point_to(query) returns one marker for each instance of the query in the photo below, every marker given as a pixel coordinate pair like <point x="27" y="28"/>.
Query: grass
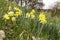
<point x="28" y="29"/>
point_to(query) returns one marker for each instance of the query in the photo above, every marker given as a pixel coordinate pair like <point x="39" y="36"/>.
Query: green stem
<point x="41" y="29"/>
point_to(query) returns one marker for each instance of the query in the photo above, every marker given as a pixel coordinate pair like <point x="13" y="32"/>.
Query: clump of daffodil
<point x="9" y="8"/>
<point x="18" y="13"/>
<point x="16" y="8"/>
<point x="42" y="18"/>
<point x="13" y="19"/>
<point x="11" y="13"/>
<point x="27" y="15"/>
<point x="32" y="12"/>
<point x="6" y="17"/>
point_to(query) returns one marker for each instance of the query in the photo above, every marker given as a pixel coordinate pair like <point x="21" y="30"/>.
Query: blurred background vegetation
<point x="28" y="29"/>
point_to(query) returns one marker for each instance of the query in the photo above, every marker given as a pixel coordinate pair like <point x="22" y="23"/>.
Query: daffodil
<point x="43" y="21"/>
<point x="42" y="18"/>
<point x="11" y="13"/>
<point x="9" y="8"/>
<point x="27" y="15"/>
<point x="16" y="8"/>
<point x="18" y="13"/>
<point x="32" y="16"/>
<point x="13" y="18"/>
<point x="32" y="12"/>
<point x="6" y="17"/>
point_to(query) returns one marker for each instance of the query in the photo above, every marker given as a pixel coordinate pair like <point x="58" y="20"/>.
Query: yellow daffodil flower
<point x="27" y="15"/>
<point x="18" y="14"/>
<point x="13" y="18"/>
<point x="16" y="8"/>
<point x="20" y="11"/>
<point x="32" y="12"/>
<point x="42" y="18"/>
<point x="44" y="21"/>
<point x="32" y="16"/>
<point x="11" y="13"/>
<point x="9" y="8"/>
<point x="6" y="17"/>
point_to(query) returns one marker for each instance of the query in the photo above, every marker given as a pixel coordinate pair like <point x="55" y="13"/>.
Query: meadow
<point x="21" y="23"/>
